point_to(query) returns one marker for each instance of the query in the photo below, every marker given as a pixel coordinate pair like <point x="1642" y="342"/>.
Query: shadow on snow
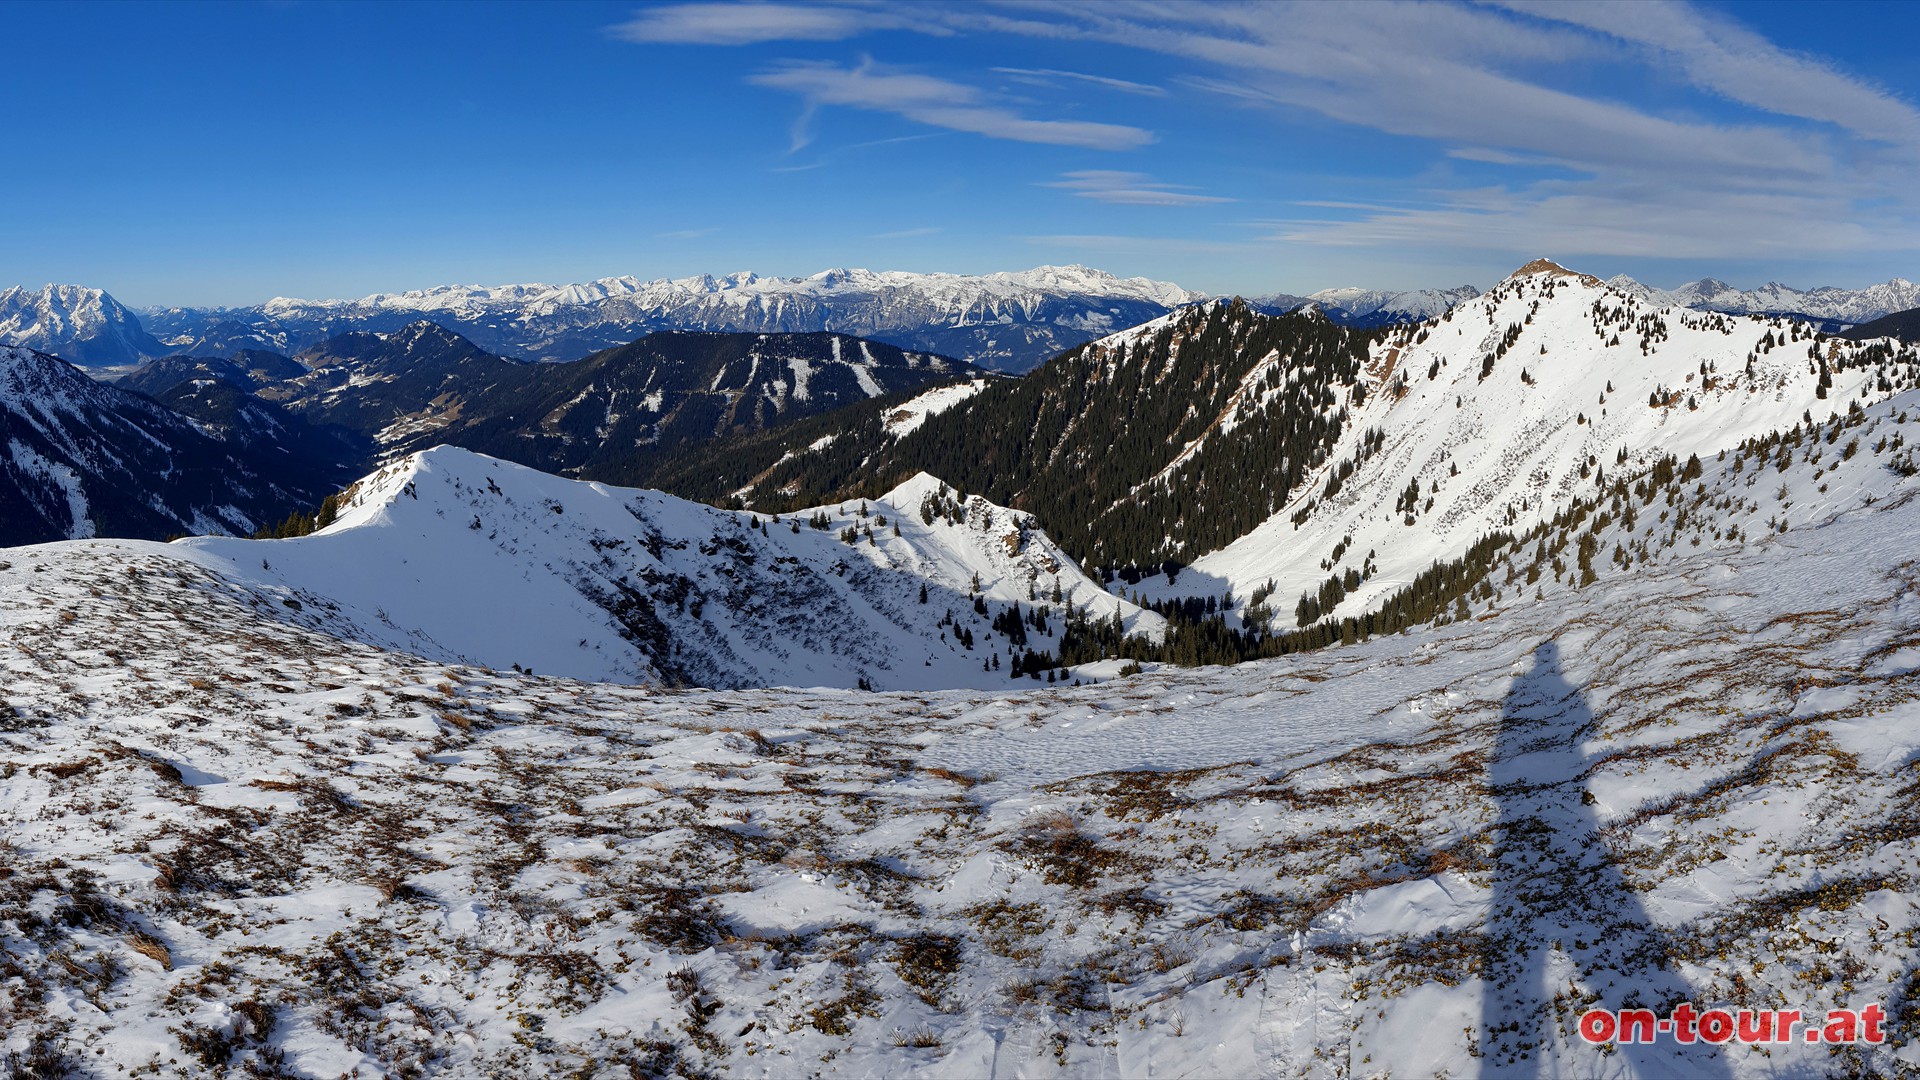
<point x="1565" y="930"/>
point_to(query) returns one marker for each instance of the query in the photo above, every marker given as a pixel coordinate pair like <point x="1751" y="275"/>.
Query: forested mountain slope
<point x="80" y="458"/>
<point x="620" y="415"/>
<point x="1159" y="443"/>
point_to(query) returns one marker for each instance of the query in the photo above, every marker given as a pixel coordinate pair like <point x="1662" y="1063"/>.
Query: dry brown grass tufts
<point x="920" y="1038"/>
<point x="928" y="963"/>
<point x="1065" y="855"/>
<point x="149" y="946"/>
<point x="950" y="776"/>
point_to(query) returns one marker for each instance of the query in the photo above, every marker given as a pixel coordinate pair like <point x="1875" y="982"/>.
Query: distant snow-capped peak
<point x="83" y="325"/>
<point x="1354" y="305"/>
<point x="1825" y="302"/>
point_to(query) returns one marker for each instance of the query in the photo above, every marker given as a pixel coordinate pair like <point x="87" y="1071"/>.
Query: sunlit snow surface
<point x="461" y="557"/>
<point x="234" y="841"/>
<point x="915" y="411"/>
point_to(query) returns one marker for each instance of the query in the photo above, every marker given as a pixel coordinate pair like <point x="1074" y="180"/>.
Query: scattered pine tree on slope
<point x="1804" y="475"/>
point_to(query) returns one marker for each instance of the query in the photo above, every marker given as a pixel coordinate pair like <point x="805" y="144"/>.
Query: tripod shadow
<point x="1564" y="924"/>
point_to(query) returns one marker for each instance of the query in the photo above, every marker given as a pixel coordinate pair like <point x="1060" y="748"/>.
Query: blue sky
<point x="208" y="154"/>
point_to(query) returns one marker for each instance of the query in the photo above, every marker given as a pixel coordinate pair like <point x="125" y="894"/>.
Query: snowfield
<point x="914" y="412"/>
<point x="237" y="844"/>
<point x="461" y="557"/>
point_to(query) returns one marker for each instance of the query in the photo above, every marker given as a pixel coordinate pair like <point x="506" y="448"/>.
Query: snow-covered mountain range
<point x="1366" y="308"/>
<point x="1827" y="304"/>
<point x="1009" y="321"/>
<point x="1272" y="453"/>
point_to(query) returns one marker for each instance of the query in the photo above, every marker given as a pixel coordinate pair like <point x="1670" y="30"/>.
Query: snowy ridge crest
<point x="599" y="582"/>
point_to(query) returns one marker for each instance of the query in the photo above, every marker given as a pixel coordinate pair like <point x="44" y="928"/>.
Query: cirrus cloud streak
<point x="940" y="103"/>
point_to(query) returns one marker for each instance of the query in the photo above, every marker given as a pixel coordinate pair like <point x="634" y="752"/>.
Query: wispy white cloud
<point x="1783" y="152"/>
<point x="1809" y="158"/>
<point x="1500" y="157"/>
<point x="1131" y="188"/>
<point x="753" y="23"/>
<point x="1732" y="61"/>
<point x="1578" y="218"/>
<point x="684" y="234"/>
<point x="908" y="234"/>
<point x="1047" y="75"/>
<point x="938" y="103"/>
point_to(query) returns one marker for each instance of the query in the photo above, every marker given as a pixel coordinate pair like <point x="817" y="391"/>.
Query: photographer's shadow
<point x="1564" y="925"/>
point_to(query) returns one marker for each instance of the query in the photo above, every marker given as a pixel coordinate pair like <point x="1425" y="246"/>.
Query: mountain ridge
<point x="1495" y="415"/>
<point x="605" y="414"/>
<point x="80" y="458"/>
<point x="1008" y="319"/>
<point x="1549" y="369"/>
<point x="87" y="325"/>
<point x="629" y="585"/>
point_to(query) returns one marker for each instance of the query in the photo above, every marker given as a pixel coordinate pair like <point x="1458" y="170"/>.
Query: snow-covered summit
<point x="78" y="324"/>
<point x="1495" y="415"/>
<point x="1546" y="267"/>
<point x="456" y="556"/>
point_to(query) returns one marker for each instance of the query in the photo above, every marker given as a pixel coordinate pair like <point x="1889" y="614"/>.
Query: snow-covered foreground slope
<point x="460" y="557"/>
<point x="234" y="843"/>
<point x="1518" y="401"/>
